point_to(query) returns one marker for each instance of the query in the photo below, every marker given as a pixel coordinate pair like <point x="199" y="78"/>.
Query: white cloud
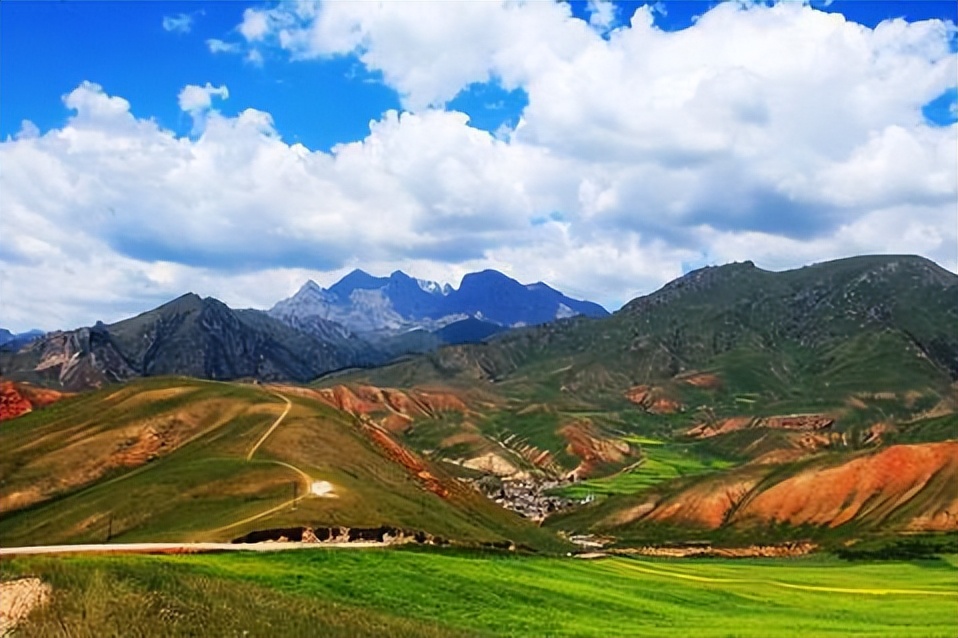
<point x="255" y="25"/>
<point x="180" y="23"/>
<point x="221" y="46"/>
<point x="200" y="98"/>
<point x="779" y="134"/>
<point x="198" y="101"/>
<point x="601" y="14"/>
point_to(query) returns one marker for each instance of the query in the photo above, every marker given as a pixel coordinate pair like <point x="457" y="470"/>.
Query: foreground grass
<point x="426" y="593"/>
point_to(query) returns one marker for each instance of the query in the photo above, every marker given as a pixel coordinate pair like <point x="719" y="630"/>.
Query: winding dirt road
<point x="279" y="419"/>
<point x="308" y="483"/>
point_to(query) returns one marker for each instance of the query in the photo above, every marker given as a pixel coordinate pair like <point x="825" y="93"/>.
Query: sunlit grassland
<point x="417" y="592"/>
<point x="660" y="462"/>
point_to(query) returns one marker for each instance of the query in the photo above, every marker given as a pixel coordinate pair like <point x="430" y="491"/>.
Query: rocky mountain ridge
<point x="360" y="321"/>
<point x="188" y="336"/>
<point x="383" y="306"/>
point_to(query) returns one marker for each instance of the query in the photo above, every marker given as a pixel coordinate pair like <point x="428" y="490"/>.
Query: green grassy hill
<point x="166" y="459"/>
<point x="779" y="342"/>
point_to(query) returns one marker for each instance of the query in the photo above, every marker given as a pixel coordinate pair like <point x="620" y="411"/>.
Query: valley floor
<point x="419" y="592"/>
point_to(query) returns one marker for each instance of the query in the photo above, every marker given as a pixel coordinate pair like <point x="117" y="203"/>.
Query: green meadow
<point x="417" y="592"/>
<point x="661" y="462"/>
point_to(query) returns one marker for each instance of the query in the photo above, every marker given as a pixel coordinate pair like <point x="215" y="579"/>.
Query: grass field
<point x="661" y="462"/>
<point x="448" y="593"/>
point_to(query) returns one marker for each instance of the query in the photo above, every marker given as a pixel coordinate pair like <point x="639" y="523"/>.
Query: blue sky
<point x="48" y="48"/>
<point x="571" y="143"/>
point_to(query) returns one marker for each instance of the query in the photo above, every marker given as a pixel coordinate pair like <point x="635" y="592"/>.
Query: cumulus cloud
<point x="601" y="14"/>
<point x="200" y="98"/>
<point x="780" y="134"/>
<point x="255" y="24"/>
<point x="198" y="101"/>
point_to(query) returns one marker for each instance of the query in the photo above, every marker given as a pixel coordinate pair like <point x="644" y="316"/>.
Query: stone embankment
<point x="341" y="534"/>
<point x="752" y="551"/>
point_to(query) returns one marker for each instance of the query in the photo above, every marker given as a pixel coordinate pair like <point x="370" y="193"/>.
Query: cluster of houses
<point x="529" y="497"/>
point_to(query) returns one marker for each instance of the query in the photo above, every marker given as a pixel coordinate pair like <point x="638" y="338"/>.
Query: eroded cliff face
<point x="902" y="487"/>
<point x="407" y="405"/>
<point x="79" y="359"/>
<point x="595" y="449"/>
<point x="12" y="403"/>
<point x="17" y="399"/>
<point x="872" y="488"/>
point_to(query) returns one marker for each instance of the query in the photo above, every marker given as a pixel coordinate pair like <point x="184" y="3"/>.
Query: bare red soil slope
<point x="20" y="398"/>
<point x="904" y="487"/>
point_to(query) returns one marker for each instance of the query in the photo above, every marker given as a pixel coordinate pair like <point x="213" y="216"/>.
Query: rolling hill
<point x="185" y="459"/>
<point x="710" y="398"/>
<point x="708" y="410"/>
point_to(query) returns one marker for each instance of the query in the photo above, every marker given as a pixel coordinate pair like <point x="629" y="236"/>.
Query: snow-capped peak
<point x="564" y="312"/>
<point x="432" y="287"/>
<point x="310" y="287"/>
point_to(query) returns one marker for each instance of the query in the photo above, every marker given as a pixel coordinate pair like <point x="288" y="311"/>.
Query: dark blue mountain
<point x="399" y="303"/>
<point x="409" y="298"/>
<point x="356" y="280"/>
<point x="14" y="341"/>
<point x="469" y="330"/>
<point x="492" y="296"/>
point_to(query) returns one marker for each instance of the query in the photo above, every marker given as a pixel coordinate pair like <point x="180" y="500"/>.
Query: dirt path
<point x="308" y="483"/>
<point x="17" y="599"/>
<point x="279" y="419"/>
<point x="657" y="570"/>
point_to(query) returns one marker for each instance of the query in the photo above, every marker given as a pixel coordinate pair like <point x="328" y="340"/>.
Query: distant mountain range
<point x="802" y="338"/>
<point x="16" y="340"/>
<point x="385" y="306"/>
<point x="360" y="321"/>
<point x="827" y="331"/>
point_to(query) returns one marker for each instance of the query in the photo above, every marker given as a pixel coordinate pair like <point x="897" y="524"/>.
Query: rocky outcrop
<point x="12" y="403"/>
<point x="867" y="488"/>
<point x="367" y="399"/>
<point x="341" y="534"/>
<point x="793" y="422"/>
<point x="653" y="399"/>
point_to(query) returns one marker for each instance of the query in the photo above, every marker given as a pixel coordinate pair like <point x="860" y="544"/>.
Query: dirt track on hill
<point x="308" y="482"/>
<point x="279" y="419"/>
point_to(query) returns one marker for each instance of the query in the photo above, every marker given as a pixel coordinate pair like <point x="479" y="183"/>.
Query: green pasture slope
<point x="660" y="462"/>
<point x="454" y="593"/>
<point x="206" y="489"/>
